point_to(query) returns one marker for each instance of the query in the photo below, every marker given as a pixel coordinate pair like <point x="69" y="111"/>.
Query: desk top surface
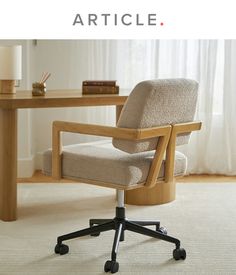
<point x="60" y="98"/>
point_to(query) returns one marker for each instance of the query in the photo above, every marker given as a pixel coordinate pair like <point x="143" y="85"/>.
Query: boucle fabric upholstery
<point x="100" y="161"/>
<point x="155" y="103"/>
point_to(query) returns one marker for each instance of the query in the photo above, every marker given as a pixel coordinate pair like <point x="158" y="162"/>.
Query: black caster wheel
<point x="112" y="266"/>
<point x="94" y="234"/>
<point x="179" y="253"/>
<point x="61" y="249"/>
<point x="122" y="236"/>
<point x="162" y="230"/>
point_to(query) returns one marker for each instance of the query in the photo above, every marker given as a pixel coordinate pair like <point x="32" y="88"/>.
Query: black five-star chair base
<point x="120" y="224"/>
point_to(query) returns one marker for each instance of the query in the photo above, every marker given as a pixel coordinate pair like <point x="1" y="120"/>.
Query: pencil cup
<point x="39" y="89"/>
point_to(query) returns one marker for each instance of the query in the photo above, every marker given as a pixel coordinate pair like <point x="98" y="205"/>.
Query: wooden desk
<point x="9" y="104"/>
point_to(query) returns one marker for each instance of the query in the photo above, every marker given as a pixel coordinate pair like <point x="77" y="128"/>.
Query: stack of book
<point x="100" y="87"/>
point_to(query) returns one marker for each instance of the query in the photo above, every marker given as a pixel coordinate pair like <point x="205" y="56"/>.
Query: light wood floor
<point x="39" y="177"/>
<point x="203" y="178"/>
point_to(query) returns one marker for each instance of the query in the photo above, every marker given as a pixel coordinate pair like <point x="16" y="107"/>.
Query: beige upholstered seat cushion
<point x="100" y="161"/>
<point x="155" y="103"/>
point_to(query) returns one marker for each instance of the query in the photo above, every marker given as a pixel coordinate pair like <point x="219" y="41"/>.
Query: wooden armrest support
<point x="108" y="131"/>
<point x="177" y="129"/>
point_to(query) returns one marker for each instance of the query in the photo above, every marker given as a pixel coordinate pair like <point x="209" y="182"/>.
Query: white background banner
<point x="50" y="19"/>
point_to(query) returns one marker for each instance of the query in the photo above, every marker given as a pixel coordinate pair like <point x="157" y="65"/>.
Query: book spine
<point x="110" y="83"/>
<point x="88" y="90"/>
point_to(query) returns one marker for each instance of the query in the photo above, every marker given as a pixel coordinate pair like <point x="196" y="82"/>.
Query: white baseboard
<point x="38" y="161"/>
<point x="25" y="167"/>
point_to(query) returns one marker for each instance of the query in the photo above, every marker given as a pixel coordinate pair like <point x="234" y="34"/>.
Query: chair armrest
<point x="98" y="130"/>
<point x="187" y="127"/>
<point x="109" y="131"/>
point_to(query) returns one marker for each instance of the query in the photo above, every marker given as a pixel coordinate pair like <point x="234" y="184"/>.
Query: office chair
<point x="157" y="115"/>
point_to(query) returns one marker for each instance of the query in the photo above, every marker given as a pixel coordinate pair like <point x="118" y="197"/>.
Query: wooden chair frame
<point x="166" y="144"/>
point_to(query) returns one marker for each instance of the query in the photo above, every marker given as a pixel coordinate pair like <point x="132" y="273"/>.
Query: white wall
<point x="25" y="142"/>
<point x="25" y="138"/>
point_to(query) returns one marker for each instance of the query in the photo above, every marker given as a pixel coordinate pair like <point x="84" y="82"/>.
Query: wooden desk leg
<point x="8" y="164"/>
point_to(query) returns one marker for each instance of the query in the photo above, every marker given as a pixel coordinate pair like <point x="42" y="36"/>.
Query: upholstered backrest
<point x="155" y="103"/>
